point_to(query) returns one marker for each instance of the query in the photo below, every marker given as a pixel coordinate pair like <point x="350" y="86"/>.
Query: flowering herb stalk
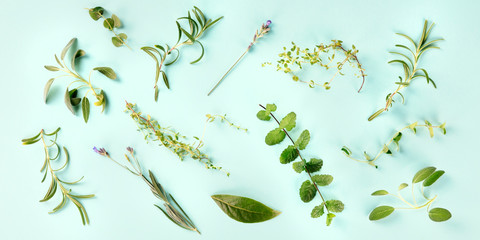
<point x="387" y="148"/>
<point x="410" y="65"/>
<point x="264" y="29"/>
<point x="172" y="210"/>
<point x="110" y="23"/>
<point x="79" y="82"/>
<point x="198" y="27"/>
<point x="50" y="145"/>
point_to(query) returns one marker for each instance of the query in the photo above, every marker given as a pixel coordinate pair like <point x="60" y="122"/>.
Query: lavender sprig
<point x="258" y="34"/>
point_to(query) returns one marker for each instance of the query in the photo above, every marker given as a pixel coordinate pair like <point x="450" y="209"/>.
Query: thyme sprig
<point x="111" y="24"/>
<point x="70" y="97"/>
<point x="309" y="188"/>
<point x="172" y="210"/>
<point x="410" y="65"/>
<point x="50" y="144"/>
<point x="294" y="59"/>
<point x="264" y="29"/>
<point x="198" y="27"/>
<point x="387" y="147"/>
<point x="426" y="176"/>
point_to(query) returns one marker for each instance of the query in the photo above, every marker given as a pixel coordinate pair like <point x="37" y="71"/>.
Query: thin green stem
<point x="230" y="69"/>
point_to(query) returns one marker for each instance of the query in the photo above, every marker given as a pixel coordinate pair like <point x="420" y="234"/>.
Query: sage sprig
<point x="294" y="59"/>
<point x="50" y="146"/>
<point x="387" y="147"/>
<point x="198" y="26"/>
<point x="425" y="177"/>
<point x="172" y="210"/>
<point x="309" y="188"/>
<point x="244" y="209"/>
<point x="70" y="98"/>
<point x="111" y="23"/>
<point x="410" y="65"/>
<point x="264" y="29"/>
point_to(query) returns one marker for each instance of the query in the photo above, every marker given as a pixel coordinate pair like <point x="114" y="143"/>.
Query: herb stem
<point x="230" y="69"/>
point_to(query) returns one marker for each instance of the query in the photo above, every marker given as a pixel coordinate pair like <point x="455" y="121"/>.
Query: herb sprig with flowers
<point x="172" y="210"/>
<point x="264" y="29"/>
<point x="49" y="141"/>
<point x="198" y="27"/>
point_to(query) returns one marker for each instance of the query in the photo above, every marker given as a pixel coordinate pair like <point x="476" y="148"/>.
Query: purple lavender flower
<point x="130" y="150"/>
<point x="100" y="151"/>
<point x="268" y="22"/>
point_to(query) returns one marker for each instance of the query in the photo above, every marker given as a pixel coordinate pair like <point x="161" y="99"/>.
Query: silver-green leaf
<point x="244" y="209"/>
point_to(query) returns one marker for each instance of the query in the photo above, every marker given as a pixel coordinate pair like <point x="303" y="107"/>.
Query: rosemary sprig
<point x="293" y="60"/>
<point x="56" y="182"/>
<point x="172" y="210"/>
<point x="110" y="23"/>
<point x="198" y="27"/>
<point x="79" y="82"/>
<point x="264" y="29"/>
<point x="410" y="66"/>
<point x="387" y="149"/>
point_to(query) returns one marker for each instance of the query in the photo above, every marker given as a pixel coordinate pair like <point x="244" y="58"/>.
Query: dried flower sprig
<point x="198" y="27"/>
<point x="172" y="210"/>
<point x="264" y="29"/>
<point x="170" y="139"/>
<point x="427" y="177"/>
<point x="293" y="60"/>
<point x="387" y="149"/>
<point x="309" y="188"/>
<point x="211" y="118"/>
<point x="56" y="183"/>
<point x="111" y="24"/>
<point x="410" y="66"/>
<point x="79" y="82"/>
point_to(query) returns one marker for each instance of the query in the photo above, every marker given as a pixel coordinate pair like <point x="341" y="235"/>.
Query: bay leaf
<point x="244" y="209"/>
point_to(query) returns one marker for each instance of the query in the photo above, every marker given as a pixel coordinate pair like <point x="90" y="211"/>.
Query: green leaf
<point x="85" y="108"/>
<point x="288" y="155"/>
<point x="439" y="214"/>
<point x="108" y="72"/>
<point x="271" y="107"/>
<point x="275" y="136"/>
<point x="117" y="42"/>
<point x="75" y="101"/>
<point x="263" y="115"/>
<point x="52" y="68"/>
<point x="314" y="165"/>
<point x="213" y="22"/>
<point x="190" y="37"/>
<point x="330" y="217"/>
<point x="397" y="137"/>
<point x="423" y="174"/>
<point x="303" y="140"/>
<point x="380" y="193"/>
<point x="65" y="49"/>
<point x="346" y="151"/>
<point x="156" y="93"/>
<point x="123" y="36"/>
<point x="433" y="178"/>
<point x="288" y="122"/>
<point x="380" y="111"/>
<point x="318" y="211"/>
<point x="334" y="205"/>
<point x="244" y="209"/>
<point x="108" y="24"/>
<point x="322" y="180"/>
<point x="165" y="79"/>
<point x="298" y="167"/>
<point x="96" y="13"/>
<point x="380" y="212"/>
<point x="201" y="55"/>
<point x="116" y="21"/>
<point x="78" y="53"/>
<point x="402" y="186"/>
<point x="307" y="191"/>
<point x="68" y="102"/>
<point x="47" y="88"/>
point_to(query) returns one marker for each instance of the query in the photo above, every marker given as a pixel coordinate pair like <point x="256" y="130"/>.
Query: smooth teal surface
<point x="33" y="31"/>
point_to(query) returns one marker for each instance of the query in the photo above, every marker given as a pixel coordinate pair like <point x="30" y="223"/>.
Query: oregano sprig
<point x="111" y="24"/>
<point x="387" y="147"/>
<point x="198" y="26"/>
<point x="425" y="177"/>
<point x="294" y="59"/>
<point x="309" y="188"/>
<point x="172" y="210"/>
<point x="410" y="65"/>
<point x="50" y="145"/>
<point x="70" y="97"/>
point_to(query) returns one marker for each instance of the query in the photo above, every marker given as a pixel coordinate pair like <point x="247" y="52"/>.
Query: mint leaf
<point x="288" y="122"/>
<point x="271" y="108"/>
<point x="298" y="167"/>
<point x="307" y="191"/>
<point x="303" y="140"/>
<point x="275" y="136"/>
<point x="330" y="217"/>
<point x="318" y="211"/>
<point x="314" y="165"/>
<point x="288" y="155"/>
<point x="334" y="205"/>
<point x="322" y="180"/>
<point x="263" y="115"/>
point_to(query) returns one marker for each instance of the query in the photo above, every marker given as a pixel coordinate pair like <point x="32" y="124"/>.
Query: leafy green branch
<point x="159" y="53"/>
<point x="410" y="65"/>
<point x="110" y="23"/>
<point x="426" y="177"/>
<point x="387" y="147"/>
<point x="294" y="59"/>
<point x="70" y="97"/>
<point x="57" y="183"/>
<point x="309" y="188"/>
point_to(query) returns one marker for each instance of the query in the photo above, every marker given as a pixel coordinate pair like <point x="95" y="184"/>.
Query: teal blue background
<point x="33" y="31"/>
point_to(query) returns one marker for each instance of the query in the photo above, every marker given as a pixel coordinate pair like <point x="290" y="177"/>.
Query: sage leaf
<point x="314" y="165"/>
<point x="78" y="53"/>
<point x="108" y="72"/>
<point x="52" y="68"/>
<point x="307" y="191"/>
<point x="423" y="174"/>
<point x="380" y="212"/>
<point x="288" y="155"/>
<point x="303" y="140"/>
<point x="244" y="209"/>
<point x="318" y="211"/>
<point x="380" y="193"/>
<point x="335" y="205"/>
<point x="323" y="179"/>
<point x="433" y="178"/>
<point x="67" y="101"/>
<point x="288" y="122"/>
<point x="47" y="88"/>
<point x="439" y="214"/>
<point x="275" y="136"/>
<point x="85" y="108"/>
<point x="65" y="49"/>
